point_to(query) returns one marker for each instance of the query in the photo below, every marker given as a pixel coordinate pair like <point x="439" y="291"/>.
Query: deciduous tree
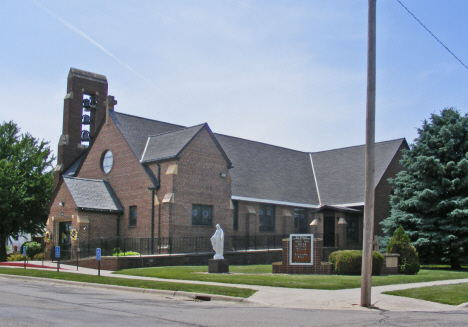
<point x="26" y="183"/>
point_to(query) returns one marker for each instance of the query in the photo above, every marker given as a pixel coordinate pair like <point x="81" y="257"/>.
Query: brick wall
<point x="284" y="220"/>
<point x="235" y="258"/>
<point x="383" y="189"/>
<point x="77" y="86"/>
<point x="127" y="178"/>
<point x="59" y="214"/>
<point x="199" y="181"/>
<point x="89" y="225"/>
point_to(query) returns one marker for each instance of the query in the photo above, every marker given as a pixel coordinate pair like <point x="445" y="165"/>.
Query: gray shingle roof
<point x="136" y="130"/>
<point x="340" y="173"/>
<point x="266" y="172"/>
<point x="72" y="170"/>
<point x="168" y="145"/>
<point x="263" y="171"/>
<point x="92" y="194"/>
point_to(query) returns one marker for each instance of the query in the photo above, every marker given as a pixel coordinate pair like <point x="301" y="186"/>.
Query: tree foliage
<point x="26" y="183"/>
<point x="408" y="262"/>
<point x="430" y="197"/>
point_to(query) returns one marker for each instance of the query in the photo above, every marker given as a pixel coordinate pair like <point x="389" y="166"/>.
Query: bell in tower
<point x="83" y="111"/>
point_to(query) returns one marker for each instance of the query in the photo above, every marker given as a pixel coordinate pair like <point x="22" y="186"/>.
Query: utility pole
<point x="366" y="275"/>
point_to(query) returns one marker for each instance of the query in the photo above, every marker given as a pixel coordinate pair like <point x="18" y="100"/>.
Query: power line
<point x="431" y="33"/>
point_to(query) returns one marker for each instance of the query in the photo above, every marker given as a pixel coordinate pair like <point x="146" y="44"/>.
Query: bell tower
<point x="84" y="109"/>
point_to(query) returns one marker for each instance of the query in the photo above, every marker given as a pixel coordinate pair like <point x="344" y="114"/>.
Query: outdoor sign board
<point x="57" y="251"/>
<point x="98" y="254"/>
<point x="301" y="249"/>
<point x="24" y="251"/>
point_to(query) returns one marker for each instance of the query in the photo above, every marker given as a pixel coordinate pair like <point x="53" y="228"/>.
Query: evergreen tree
<point x="408" y="262"/>
<point x="430" y="198"/>
<point x="25" y="183"/>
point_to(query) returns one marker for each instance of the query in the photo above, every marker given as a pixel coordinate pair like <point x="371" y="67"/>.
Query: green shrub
<point x="39" y="256"/>
<point x="116" y="251"/>
<point x="349" y="262"/>
<point x="17" y="257"/>
<point x="408" y="262"/>
<point x="32" y="248"/>
<point x="377" y="263"/>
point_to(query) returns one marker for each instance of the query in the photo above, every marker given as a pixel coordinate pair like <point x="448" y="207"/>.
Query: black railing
<point x="175" y="245"/>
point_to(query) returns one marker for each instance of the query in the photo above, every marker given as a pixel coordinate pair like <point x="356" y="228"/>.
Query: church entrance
<point x="329" y="230"/>
<point x="64" y="238"/>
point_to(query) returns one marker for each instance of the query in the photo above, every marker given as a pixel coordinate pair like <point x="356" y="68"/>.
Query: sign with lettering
<point x="301" y="249"/>
<point x="98" y="253"/>
<point x="24" y="251"/>
<point x="57" y="251"/>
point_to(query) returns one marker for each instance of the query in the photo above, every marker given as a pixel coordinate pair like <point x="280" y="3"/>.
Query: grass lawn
<point x="261" y="275"/>
<point x="170" y="286"/>
<point x="454" y="294"/>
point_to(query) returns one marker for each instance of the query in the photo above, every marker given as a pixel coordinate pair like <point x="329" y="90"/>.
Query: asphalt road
<point x="36" y="303"/>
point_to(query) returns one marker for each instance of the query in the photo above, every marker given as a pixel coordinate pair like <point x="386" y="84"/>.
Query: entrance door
<point x="329" y="231"/>
<point x="64" y="238"/>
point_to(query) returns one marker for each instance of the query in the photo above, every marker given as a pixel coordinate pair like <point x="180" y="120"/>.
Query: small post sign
<point x="24" y="255"/>
<point x="57" y="255"/>
<point x="301" y="249"/>
<point x="98" y="258"/>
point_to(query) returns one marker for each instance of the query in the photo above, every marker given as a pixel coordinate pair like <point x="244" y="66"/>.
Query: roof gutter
<point x="283" y="203"/>
<point x="99" y="210"/>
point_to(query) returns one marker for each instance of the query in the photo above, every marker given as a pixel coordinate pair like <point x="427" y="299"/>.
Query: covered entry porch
<point x="339" y="227"/>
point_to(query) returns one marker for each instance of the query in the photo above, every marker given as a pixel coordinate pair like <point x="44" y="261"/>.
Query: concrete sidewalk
<point x="347" y="299"/>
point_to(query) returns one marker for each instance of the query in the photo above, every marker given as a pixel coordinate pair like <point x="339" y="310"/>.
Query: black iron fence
<point x="173" y="245"/>
<point x="168" y="245"/>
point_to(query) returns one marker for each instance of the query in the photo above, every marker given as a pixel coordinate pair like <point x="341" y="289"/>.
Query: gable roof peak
<point x="360" y="145"/>
<point x="259" y="143"/>
<point x="170" y="144"/>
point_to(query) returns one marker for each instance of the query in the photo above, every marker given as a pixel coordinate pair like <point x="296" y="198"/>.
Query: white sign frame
<point x="296" y="236"/>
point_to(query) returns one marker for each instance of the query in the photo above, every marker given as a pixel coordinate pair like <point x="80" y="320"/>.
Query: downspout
<point x="154" y="188"/>
<point x="158" y="186"/>
<point x="152" y="219"/>
<point x="118" y="226"/>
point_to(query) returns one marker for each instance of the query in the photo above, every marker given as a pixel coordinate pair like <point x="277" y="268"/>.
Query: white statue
<point x="217" y="240"/>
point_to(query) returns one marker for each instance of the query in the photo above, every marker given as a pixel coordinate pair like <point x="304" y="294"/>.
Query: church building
<point x="123" y="176"/>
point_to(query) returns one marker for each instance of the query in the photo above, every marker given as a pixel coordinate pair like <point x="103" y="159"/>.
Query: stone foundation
<point x="218" y="266"/>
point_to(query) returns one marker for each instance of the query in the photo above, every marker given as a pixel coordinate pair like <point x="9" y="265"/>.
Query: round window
<point x="107" y="161"/>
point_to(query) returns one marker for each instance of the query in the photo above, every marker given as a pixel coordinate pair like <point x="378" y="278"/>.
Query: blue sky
<point x="289" y="73"/>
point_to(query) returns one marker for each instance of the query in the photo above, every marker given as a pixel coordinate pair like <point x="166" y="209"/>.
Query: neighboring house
<point x="14" y="243"/>
<point x="142" y="178"/>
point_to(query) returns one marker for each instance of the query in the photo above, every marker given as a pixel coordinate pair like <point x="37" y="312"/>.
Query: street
<point x="38" y="303"/>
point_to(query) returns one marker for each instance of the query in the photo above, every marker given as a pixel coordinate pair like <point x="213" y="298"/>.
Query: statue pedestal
<point x="218" y="266"/>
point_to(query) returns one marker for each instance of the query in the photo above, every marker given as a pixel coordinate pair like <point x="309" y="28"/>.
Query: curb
<point x="165" y="293"/>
